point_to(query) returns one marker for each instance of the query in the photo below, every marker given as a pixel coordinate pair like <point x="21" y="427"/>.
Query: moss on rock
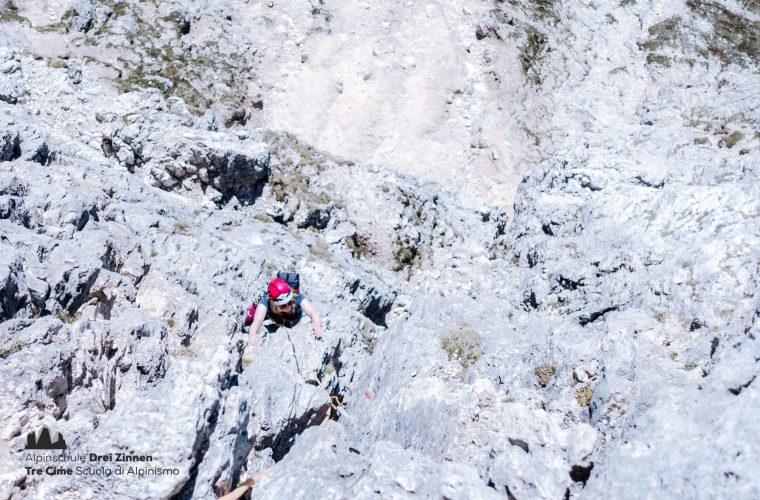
<point x="545" y="373"/>
<point x="583" y="395"/>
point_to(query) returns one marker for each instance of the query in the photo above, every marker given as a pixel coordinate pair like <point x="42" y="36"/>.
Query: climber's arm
<point x="312" y="313"/>
<point x="258" y="319"/>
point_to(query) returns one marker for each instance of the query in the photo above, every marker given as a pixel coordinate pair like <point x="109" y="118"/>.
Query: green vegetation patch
<point x="462" y="344"/>
<point x="318" y="9"/>
<point x="404" y="256"/>
<point x="358" y="245"/>
<point x="11" y="349"/>
<point x="664" y="34"/>
<point x="734" y="39"/>
<point x="544" y="9"/>
<point x="9" y="12"/>
<point x="531" y="54"/>
<point x="658" y="59"/>
<point x="292" y="161"/>
<point x="732" y="139"/>
<point x="540" y="9"/>
<point x="174" y="74"/>
<point x="583" y="395"/>
<point x="751" y="5"/>
<point x="731" y="38"/>
<point x="198" y="75"/>
<point x="545" y="373"/>
<point x="66" y="316"/>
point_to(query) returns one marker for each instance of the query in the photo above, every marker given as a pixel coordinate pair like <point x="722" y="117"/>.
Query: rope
<point x="335" y="401"/>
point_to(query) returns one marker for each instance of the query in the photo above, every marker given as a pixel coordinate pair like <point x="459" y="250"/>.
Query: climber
<point x="284" y="305"/>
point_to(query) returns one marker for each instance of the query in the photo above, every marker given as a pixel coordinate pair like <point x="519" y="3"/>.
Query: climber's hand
<point x="318" y="333"/>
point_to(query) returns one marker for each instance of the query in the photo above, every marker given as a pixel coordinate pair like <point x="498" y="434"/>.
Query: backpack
<point x="292" y="279"/>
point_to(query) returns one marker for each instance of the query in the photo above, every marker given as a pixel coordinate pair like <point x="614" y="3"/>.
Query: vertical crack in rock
<point x="10" y="146"/>
<point x="331" y="366"/>
<point x="200" y="447"/>
<point x="281" y="442"/>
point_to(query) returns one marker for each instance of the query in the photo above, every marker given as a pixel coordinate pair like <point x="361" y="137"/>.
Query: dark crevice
<point x="569" y="284"/>
<point x="532" y="258"/>
<point x="11" y="147"/>
<point x="241" y="448"/>
<point x="714" y="346"/>
<point x="331" y="361"/>
<point x="281" y="442"/>
<point x="584" y="181"/>
<point x="200" y="447"/>
<point x="42" y="155"/>
<point x="641" y="182"/>
<point x="520" y="444"/>
<point x="510" y="496"/>
<point x="580" y="474"/>
<point x="374" y="306"/>
<point x="737" y="390"/>
<point x="10" y="302"/>
<point x="530" y="302"/>
<point x="585" y="320"/>
<point x="14" y="211"/>
<point x="73" y="301"/>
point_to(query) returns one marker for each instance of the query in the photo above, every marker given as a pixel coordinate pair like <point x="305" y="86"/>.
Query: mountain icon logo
<point x="43" y="440"/>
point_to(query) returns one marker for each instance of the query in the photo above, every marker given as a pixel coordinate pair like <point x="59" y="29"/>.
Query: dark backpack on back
<point x="292" y="279"/>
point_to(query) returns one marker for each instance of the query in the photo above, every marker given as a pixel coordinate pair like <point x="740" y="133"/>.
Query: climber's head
<point x="280" y="293"/>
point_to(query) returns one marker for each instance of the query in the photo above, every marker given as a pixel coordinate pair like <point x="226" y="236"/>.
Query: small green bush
<point x="358" y="245"/>
<point x="66" y="316"/>
<point x="462" y="344"/>
<point x="545" y="374"/>
<point x="181" y="228"/>
<point x="584" y="394"/>
<point x="732" y="139"/>
<point x="13" y="348"/>
<point x="184" y="352"/>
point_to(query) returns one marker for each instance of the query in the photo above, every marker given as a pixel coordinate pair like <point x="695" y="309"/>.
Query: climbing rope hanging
<point x="335" y="403"/>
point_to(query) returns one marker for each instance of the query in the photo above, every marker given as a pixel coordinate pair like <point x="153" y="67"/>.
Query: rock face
<point x="595" y="338"/>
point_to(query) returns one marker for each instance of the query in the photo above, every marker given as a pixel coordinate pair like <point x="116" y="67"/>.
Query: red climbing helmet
<point x="279" y="292"/>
